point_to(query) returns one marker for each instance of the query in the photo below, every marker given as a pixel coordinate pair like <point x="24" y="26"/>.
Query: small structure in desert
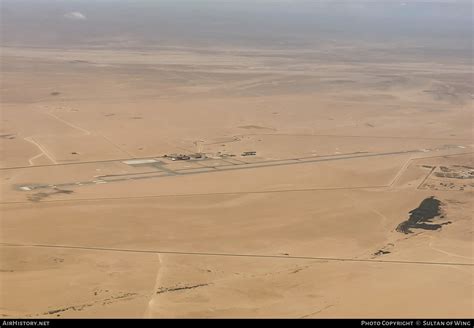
<point x="177" y="157"/>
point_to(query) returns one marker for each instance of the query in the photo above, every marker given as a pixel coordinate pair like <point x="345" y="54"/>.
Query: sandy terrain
<point x="306" y="227"/>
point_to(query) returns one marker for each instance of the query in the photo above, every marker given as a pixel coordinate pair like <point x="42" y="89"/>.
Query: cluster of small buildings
<point x="184" y="157"/>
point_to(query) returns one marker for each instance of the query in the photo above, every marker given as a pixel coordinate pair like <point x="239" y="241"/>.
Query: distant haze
<point x="265" y="23"/>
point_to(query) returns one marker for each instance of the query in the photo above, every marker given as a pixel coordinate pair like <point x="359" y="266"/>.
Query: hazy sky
<point x="83" y="23"/>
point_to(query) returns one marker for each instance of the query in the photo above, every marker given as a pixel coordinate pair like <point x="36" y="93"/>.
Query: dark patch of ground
<point x="174" y="289"/>
<point x="381" y="252"/>
<point x="384" y="250"/>
<point x="81" y="307"/>
<point x="421" y="217"/>
<point x="42" y="195"/>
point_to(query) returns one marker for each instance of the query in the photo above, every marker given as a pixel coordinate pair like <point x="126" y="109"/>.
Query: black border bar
<point x="12" y="323"/>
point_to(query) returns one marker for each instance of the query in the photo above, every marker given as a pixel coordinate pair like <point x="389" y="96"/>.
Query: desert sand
<point x="96" y="222"/>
